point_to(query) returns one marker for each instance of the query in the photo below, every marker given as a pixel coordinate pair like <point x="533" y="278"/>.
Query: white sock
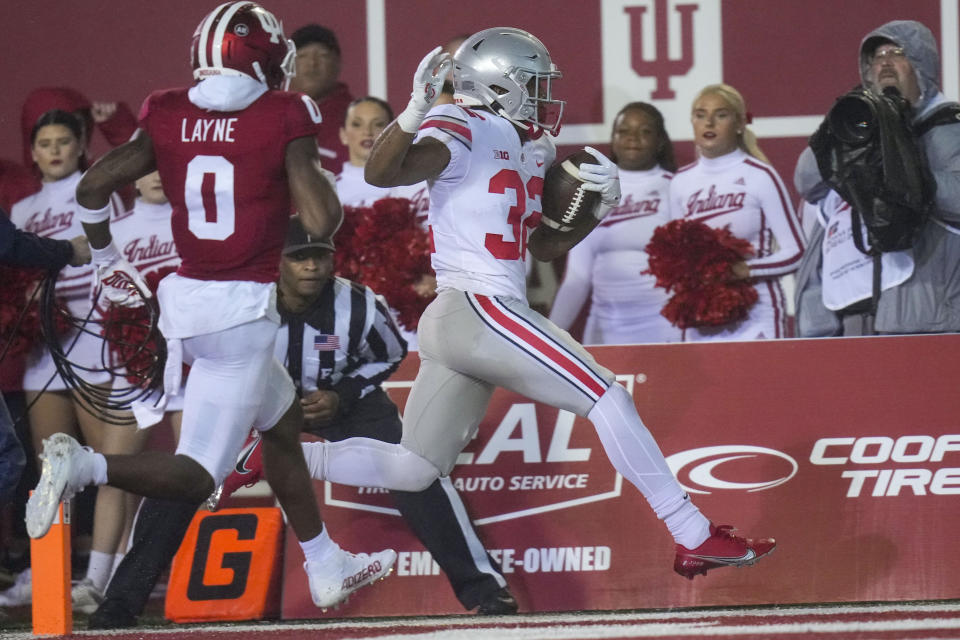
<point x="318" y="549"/>
<point x="99" y="569"/>
<point x="635" y="454"/>
<point x="688" y="526"/>
<point x="98" y="469"/>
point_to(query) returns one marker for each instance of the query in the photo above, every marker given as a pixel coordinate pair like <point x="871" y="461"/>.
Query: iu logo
<point x="662" y="66"/>
<point x="662" y="51"/>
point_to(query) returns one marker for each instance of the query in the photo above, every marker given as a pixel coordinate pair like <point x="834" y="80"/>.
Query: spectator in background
<point x="608" y="264"/>
<point x="732" y="184"/>
<point x="318" y="76"/>
<point x="58" y="153"/>
<point x="901" y="54"/>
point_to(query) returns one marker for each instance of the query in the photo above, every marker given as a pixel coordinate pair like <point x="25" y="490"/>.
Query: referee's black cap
<point x="298" y="238"/>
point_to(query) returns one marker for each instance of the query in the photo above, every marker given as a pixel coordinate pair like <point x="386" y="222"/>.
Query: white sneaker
<point x="20" y="593"/>
<point x="332" y="581"/>
<point x="86" y="597"/>
<point x="65" y="464"/>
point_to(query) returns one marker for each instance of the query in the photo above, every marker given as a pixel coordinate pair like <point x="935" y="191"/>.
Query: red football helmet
<point x="242" y="38"/>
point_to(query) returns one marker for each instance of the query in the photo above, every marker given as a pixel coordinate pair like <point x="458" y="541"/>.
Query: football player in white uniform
<point x="485" y="160"/>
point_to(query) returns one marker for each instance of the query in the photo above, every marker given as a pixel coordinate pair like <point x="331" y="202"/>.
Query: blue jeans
<point x="12" y="458"/>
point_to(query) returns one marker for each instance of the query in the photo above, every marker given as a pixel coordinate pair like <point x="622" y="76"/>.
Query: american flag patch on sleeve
<point x="326" y="342"/>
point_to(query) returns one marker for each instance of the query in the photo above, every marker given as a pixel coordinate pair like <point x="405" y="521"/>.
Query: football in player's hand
<point x="566" y="205"/>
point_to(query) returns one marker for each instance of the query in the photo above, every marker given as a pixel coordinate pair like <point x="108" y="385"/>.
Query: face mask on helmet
<point x="243" y="38"/>
<point x="509" y="71"/>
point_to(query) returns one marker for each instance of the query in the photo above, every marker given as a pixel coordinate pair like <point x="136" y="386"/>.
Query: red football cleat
<point x="246" y="473"/>
<point x="721" y="549"/>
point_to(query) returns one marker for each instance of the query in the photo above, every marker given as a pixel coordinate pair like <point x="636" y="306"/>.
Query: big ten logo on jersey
<point x="228" y="567"/>
<point x="662" y="52"/>
<point x="526" y="459"/>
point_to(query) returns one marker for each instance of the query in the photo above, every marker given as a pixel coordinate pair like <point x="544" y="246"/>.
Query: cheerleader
<point x="733" y="185"/>
<point x="57" y="148"/>
<point x="608" y="264"/>
<point x="366" y="118"/>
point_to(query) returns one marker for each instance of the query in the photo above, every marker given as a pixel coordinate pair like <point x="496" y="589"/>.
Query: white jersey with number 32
<point x="486" y="202"/>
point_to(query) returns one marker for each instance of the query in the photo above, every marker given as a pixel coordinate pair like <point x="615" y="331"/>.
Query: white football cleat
<point x="20" y="593"/>
<point x="335" y="579"/>
<point x="64" y="463"/>
<point x="86" y="597"/>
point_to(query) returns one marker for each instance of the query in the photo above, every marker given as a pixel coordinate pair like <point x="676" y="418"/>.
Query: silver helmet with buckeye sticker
<point x="509" y="71"/>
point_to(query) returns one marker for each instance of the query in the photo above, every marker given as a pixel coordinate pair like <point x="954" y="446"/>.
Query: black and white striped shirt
<point x="346" y="341"/>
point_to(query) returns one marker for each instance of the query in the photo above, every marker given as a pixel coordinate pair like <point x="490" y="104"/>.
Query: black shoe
<point x="111" y="614"/>
<point x="498" y="603"/>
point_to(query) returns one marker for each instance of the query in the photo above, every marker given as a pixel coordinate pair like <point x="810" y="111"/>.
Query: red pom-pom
<point x="127" y="332"/>
<point x="20" y="326"/>
<point x="694" y="261"/>
<point x="384" y="247"/>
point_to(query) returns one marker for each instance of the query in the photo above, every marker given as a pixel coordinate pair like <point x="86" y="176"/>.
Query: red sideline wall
<point x="789" y="58"/>
<point x="846" y="450"/>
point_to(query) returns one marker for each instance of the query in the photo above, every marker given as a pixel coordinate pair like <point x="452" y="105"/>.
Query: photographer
<point x="920" y="288"/>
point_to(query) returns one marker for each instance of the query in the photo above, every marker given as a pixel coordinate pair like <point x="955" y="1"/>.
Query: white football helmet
<point x="510" y="71"/>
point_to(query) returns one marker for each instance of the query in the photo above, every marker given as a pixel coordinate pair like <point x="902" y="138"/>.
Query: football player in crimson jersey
<point x="485" y="158"/>
<point x="234" y="154"/>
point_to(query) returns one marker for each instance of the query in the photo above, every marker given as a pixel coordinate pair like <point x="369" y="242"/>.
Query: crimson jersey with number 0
<point x="486" y="201"/>
<point x="225" y="176"/>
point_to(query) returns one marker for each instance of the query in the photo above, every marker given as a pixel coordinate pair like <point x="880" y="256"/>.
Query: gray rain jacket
<point x="928" y="302"/>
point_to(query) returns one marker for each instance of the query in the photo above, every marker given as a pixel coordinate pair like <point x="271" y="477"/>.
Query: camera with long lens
<point x="867" y="151"/>
<point x="855" y="118"/>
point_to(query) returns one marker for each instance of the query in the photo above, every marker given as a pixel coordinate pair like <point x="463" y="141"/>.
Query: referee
<point x="339" y="343"/>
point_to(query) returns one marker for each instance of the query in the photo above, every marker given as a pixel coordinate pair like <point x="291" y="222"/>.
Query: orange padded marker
<point x="50" y="558"/>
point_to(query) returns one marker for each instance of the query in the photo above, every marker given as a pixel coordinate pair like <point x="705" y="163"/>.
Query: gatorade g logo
<point x="228" y="567"/>
<point x="221" y="562"/>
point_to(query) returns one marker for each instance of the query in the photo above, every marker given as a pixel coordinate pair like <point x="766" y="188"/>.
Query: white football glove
<point x="427" y="82"/>
<point x="603" y="178"/>
<point x="116" y="279"/>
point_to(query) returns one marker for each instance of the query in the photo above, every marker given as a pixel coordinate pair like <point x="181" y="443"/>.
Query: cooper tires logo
<point x="709" y="469"/>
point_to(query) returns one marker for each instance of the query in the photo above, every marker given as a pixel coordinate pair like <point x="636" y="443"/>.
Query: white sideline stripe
<point x="673" y="630"/>
<point x="572" y="623"/>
